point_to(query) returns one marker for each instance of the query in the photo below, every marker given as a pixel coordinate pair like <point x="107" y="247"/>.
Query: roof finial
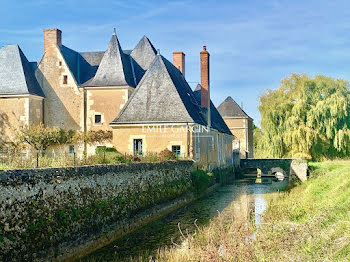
<point x="158" y="51"/>
<point x="114" y="31"/>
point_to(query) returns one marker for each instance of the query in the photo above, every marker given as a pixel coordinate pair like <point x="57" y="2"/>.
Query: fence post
<point x="74" y="159"/>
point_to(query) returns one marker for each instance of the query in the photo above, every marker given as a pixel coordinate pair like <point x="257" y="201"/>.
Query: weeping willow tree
<point x="306" y="117"/>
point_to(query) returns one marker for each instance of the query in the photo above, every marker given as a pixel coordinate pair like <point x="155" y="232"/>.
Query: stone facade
<point x="61" y="212"/>
<point x="17" y="112"/>
<point x="209" y="149"/>
<point x="87" y="91"/>
<point x="242" y="129"/>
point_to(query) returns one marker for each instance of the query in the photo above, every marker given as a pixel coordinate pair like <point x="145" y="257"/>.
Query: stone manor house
<point x="138" y="94"/>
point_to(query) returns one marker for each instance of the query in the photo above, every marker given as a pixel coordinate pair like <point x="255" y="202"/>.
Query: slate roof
<point x="143" y="55"/>
<point x="229" y="108"/>
<point x="164" y="96"/>
<point x="216" y="120"/>
<point x="115" y="68"/>
<point x="17" y="76"/>
<point x="84" y="65"/>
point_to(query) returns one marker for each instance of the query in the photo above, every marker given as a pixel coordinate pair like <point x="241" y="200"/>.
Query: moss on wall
<point x="44" y="210"/>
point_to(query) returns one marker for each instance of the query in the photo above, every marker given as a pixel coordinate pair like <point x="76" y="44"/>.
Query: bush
<point x="166" y="155"/>
<point x="105" y="149"/>
<point x="151" y="157"/>
<point x="201" y="180"/>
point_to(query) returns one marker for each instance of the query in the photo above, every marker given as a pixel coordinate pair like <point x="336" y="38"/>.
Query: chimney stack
<point x="179" y="61"/>
<point x="52" y="38"/>
<point x="205" y="90"/>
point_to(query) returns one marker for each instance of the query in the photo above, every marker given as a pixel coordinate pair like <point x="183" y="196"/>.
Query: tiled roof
<point x="17" y="76"/>
<point x="164" y="96"/>
<point x="229" y="108"/>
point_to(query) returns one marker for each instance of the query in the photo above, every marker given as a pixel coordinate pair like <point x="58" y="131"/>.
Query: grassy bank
<point x="310" y="222"/>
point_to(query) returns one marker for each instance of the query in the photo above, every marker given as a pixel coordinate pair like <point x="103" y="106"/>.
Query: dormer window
<point x="65" y="79"/>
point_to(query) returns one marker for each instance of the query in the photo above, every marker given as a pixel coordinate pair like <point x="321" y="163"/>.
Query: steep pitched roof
<point x="163" y="95"/>
<point x="229" y="108"/>
<point x="198" y="87"/>
<point x="17" y="76"/>
<point x="143" y="55"/>
<point x="216" y="120"/>
<point x="115" y="67"/>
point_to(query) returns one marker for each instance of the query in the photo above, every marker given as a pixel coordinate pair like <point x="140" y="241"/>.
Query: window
<point x="71" y="149"/>
<point x="137" y="147"/>
<point x="176" y="150"/>
<point x="98" y="119"/>
<point x="60" y="63"/>
<point x="65" y="79"/>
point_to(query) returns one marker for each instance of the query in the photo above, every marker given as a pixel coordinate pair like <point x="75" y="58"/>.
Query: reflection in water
<point x="243" y="196"/>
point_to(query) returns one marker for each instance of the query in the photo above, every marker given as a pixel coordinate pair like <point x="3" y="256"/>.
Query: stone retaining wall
<point x="52" y="213"/>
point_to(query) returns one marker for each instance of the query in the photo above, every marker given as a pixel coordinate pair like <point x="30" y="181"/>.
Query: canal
<point x="247" y="196"/>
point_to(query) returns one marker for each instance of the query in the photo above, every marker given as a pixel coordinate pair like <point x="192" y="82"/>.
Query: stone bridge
<point x="292" y="168"/>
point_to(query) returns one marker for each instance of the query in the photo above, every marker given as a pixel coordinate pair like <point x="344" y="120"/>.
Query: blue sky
<point x="253" y="44"/>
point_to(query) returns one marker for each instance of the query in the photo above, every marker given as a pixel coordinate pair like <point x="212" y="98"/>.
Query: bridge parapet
<point x="294" y="168"/>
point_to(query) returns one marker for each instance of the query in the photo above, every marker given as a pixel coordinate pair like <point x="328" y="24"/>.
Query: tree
<point x="306" y="117"/>
<point x="92" y="137"/>
<point x="41" y="137"/>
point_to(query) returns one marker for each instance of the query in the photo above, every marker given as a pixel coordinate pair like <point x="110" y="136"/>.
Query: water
<point x="244" y="194"/>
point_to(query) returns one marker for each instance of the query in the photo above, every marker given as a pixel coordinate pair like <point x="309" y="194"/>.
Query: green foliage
<point x="306" y="117"/>
<point x="105" y="149"/>
<point x="201" y="180"/>
<point x="166" y="154"/>
<point x="41" y="137"/>
<point x="92" y="137"/>
<point x="317" y="224"/>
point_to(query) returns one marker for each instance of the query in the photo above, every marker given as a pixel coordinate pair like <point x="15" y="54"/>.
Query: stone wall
<point x="55" y="213"/>
<point x="294" y="168"/>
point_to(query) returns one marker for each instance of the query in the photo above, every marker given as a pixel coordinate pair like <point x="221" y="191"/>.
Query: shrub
<point x="201" y="180"/>
<point x="166" y="154"/>
<point x="105" y="149"/>
<point x="151" y="157"/>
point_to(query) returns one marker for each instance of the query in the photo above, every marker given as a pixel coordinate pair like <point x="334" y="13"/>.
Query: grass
<point x="20" y="161"/>
<point x="310" y="222"/>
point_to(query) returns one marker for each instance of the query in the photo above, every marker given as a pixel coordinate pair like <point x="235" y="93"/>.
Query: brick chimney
<point x="179" y="61"/>
<point x="205" y="90"/>
<point x="52" y="38"/>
